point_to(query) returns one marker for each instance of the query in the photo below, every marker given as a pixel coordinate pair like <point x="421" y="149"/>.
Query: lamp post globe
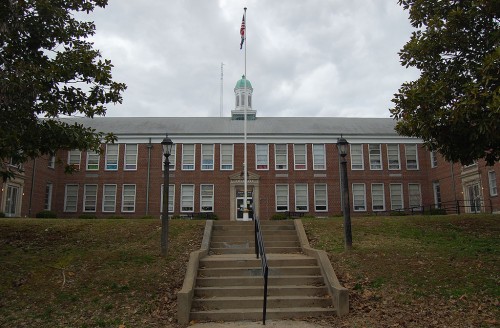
<point x="167" y="145"/>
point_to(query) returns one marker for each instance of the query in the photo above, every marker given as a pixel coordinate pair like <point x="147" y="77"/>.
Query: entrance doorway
<point x="240" y="205"/>
<point x="474" y="194"/>
<point x="11" y="201"/>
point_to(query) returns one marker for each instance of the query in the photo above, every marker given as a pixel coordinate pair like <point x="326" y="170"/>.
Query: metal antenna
<point x="221" y="89"/>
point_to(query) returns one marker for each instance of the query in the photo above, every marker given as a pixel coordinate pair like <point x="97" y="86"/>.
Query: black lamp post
<point x="167" y="149"/>
<point x="342" y="147"/>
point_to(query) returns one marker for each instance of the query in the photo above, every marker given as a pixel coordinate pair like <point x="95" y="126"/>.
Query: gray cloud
<point x="304" y="57"/>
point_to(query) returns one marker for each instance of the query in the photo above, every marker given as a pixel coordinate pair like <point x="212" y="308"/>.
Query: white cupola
<point x="243" y="100"/>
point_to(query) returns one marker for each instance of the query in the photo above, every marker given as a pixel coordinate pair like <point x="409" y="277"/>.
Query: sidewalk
<point x="258" y="324"/>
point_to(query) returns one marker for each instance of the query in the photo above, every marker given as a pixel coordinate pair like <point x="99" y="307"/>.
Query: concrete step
<point x="270" y="228"/>
<point x="258" y="281"/>
<point x="274" y="302"/>
<point x="234" y="291"/>
<point x="250" y="260"/>
<point x="251" y="244"/>
<point x="251" y="238"/>
<point x="255" y="314"/>
<point x="239" y="232"/>
<point x="257" y="271"/>
<point x="251" y="250"/>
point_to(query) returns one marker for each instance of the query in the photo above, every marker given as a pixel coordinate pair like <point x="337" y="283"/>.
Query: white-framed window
<point x="48" y="196"/>
<point x="130" y="157"/>
<point x="320" y="197"/>
<point x="492" y="181"/>
<point x="378" y="197"/>
<point x="111" y="157"/>
<point x="300" y="156"/>
<point x="262" y="156"/>
<point x="171" y="158"/>
<point x="207" y="157"/>
<point x="357" y="160"/>
<point x="51" y="163"/>
<point x="187" y="198"/>
<point x="411" y="157"/>
<point x="206" y="198"/>
<point x="281" y="197"/>
<point x="436" y="187"/>
<point x="71" y="198"/>
<point x="188" y="157"/>
<point x="393" y="158"/>
<point x="128" y="198"/>
<point x="414" y="196"/>
<point x="92" y="161"/>
<point x="319" y="157"/>
<point x="89" y="197"/>
<point x="226" y="156"/>
<point x="396" y="191"/>
<point x="375" y="153"/>
<point x="301" y="197"/>
<point x="281" y="156"/>
<point x="74" y="158"/>
<point x="359" y="197"/>
<point x="434" y="160"/>
<point x="109" y="198"/>
<point x="171" y="198"/>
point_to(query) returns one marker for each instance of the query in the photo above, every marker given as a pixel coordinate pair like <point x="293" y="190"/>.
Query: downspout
<point x="32" y="186"/>
<point x="149" y="174"/>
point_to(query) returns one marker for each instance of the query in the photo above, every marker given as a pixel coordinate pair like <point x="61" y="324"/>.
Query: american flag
<point x="242" y="32"/>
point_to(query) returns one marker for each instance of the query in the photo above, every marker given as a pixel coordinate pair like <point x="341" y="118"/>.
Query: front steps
<point x="229" y="282"/>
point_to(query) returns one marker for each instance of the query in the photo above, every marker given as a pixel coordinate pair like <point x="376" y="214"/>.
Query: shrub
<point x="2" y="214"/>
<point x="309" y="216"/>
<point x="279" y="216"/>
<point x="87" y="216"/>
<point x="147" y="217"/>
<point x="436" y="211"/>
<point x="46" y="215"/>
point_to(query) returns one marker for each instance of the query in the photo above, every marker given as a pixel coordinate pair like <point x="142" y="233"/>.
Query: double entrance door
<point x="12" y="201"/>
<point x="240" y="200"/>
<point x="474" y="198"/>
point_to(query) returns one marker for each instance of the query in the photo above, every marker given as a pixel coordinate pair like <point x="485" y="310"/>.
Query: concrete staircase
<point x="229" y="282"/>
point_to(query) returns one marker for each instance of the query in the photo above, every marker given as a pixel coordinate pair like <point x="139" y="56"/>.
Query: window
<point x="320" y="198"/>
<point x="261" y="157"/>
<point x="207" y="157"/>
<point x="71" y="198"/>
<point x="415" y="197"/>
<point x="51" y="162"/>
<point x="492" y="180"/>
<point x="188" y="157"/>
<point x="375" y="157"/>
<point x="128" y="198"/>
<point x="281" y="156"/>
<point x="92" y="161"/>
<point x="437" y="194"/>
<point x="207" y="198"/>
<point x="393" y="157"/>
<point x="89" y="198"/>
<point x="411" y="157"/>
<point x="301" y="198"/>
<point x="226" y="157"/>
<point x="187" y="198"/>
<point x="319" y="160"/>
<point x="396" y="190"/>
<point x="281" y="198"/>
<point x="171" y="198"/>
<point x="378" y="197"/>
<point x="434" y="160"/>
<point x="112" y="157"/>
<point x="130" y="157"/>
<point x="357" y="162"/>
<point x="109" y="198"/>
<point x="171" y="158"/>
<point x="359" y="196"/>
<point x="48" y="197"/>
<point x="74" y="157"/>
<point x="300" y="156"/>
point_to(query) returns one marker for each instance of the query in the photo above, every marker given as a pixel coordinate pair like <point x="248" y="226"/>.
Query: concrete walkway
<point x="250" y="324"/>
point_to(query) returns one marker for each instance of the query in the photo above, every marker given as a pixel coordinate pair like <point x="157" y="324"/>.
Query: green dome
<point x="241" y="83"/>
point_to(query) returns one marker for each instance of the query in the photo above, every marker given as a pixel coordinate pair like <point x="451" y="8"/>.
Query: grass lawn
<point x="417" y="271"/>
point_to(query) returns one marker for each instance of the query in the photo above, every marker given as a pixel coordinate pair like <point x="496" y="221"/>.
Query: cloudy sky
<point x="324" y="58"/>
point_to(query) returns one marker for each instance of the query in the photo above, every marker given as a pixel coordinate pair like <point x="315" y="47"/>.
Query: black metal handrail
<point x="450" y="207"/>
<point x="261" y="251"/>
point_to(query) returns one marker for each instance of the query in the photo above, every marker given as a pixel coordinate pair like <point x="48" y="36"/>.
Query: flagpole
<point x="245" y="166"/>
